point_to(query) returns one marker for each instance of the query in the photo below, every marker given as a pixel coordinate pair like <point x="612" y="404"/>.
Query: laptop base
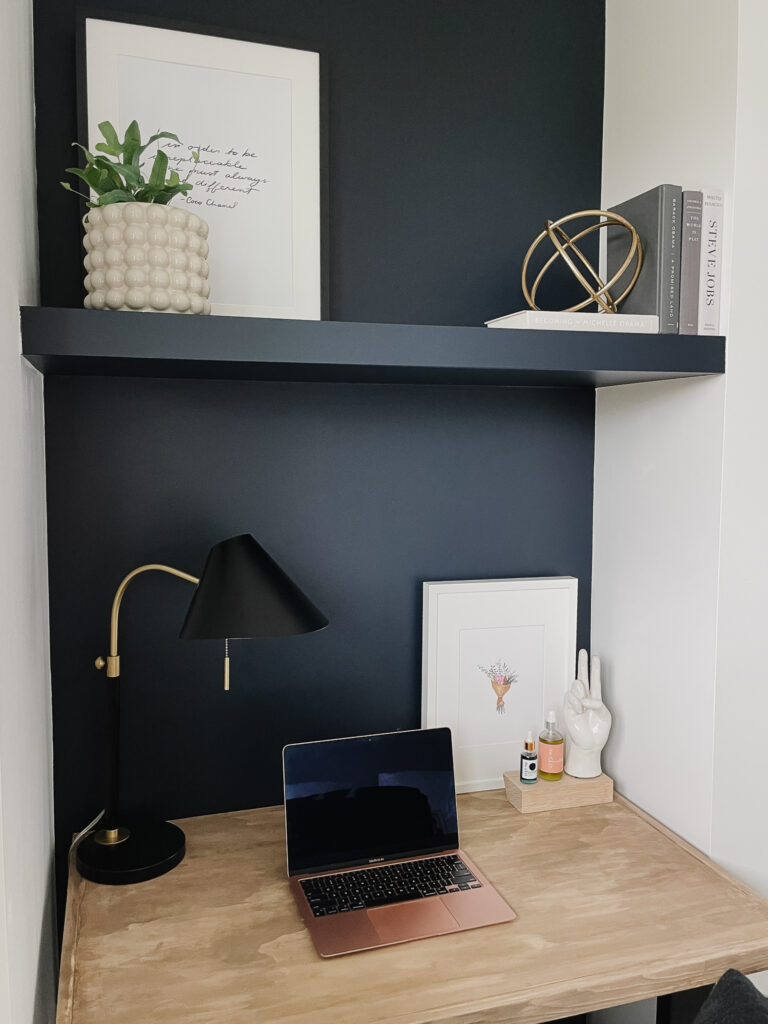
<point x="358" y="930"/>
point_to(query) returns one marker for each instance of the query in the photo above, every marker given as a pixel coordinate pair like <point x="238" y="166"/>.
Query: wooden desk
<point x="612" y="908"/>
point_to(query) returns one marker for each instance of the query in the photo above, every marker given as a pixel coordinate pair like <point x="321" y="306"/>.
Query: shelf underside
<point x="101" y="343"/>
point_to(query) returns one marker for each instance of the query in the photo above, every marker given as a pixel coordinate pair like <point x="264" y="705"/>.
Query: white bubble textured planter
<point x="145" y="256"/>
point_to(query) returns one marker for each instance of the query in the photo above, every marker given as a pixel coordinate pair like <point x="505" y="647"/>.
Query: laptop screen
<point x="369" y="799"/>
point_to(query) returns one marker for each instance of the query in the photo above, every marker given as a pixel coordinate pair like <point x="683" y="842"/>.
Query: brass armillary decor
<point x="566" y="248"/>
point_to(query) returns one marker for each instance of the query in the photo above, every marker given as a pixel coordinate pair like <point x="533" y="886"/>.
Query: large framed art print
<point x="252" y="110"/>
<point x="497" y="655"/>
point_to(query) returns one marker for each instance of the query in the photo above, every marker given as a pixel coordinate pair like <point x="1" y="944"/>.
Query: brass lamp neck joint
<point x="113" y="659"/>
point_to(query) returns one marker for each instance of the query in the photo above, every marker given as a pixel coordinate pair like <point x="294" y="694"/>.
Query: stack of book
<point x="678" y="288"/>
<point x="682" y="236"/>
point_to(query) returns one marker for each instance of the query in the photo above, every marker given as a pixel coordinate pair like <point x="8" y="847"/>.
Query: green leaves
<point x="159" y="170"/>
<point x="112" y="145"/>
<point x="131" y="174"/>
<point x="160" y="135"/>
<point x="116" y="176"/>
<point x="68" y="187"/>
<point x="117" y="195"/>
<point x="131" y="143"/>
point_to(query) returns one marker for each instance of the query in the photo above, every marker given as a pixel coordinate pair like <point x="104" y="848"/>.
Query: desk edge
<point x="692" y="850"/>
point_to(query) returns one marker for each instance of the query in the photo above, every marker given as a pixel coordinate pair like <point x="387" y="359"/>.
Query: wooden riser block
<point x="549" y="796"/>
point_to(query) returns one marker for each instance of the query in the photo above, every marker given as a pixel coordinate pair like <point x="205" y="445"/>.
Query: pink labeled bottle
<point x="551" y="749"/>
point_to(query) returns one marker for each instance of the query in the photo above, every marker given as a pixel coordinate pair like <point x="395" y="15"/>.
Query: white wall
<point x="27" y="932"/>
<point x="680" y="584"/>
<point x="669" y="116"/>
<point x="740" y="797"/>
<point x="654" y="606"/>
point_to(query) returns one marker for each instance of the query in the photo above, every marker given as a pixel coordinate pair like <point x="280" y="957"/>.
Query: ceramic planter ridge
<point x="145" y="256"/>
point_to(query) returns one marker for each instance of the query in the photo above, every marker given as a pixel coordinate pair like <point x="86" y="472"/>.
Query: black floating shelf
<point x="91" y="342"/>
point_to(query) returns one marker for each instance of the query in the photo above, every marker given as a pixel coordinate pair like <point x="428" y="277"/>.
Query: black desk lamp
<point x="242" y="593"/>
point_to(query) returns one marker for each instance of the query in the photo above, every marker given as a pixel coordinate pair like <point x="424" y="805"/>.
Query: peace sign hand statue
<point x="587" y="721"/>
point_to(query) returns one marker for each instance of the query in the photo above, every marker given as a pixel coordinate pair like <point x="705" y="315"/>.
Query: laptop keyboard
<point x="391" y="883"/>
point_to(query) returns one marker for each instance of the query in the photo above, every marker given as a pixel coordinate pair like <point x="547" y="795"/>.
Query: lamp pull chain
<point x="226" y="664"/>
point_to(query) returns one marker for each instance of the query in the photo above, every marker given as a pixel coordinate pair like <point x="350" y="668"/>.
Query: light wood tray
<point x="549" y="796"/>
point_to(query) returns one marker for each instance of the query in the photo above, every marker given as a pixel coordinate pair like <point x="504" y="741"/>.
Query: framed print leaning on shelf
<point x="253" y="111"/>
<point x="497" y="655"/>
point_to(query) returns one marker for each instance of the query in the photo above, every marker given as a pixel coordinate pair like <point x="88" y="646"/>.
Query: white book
<point x="711" y="266"/>
<point x="543" y="320"/>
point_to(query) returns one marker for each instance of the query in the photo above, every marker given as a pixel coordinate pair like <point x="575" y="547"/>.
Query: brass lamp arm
<point x="113" y="660"/>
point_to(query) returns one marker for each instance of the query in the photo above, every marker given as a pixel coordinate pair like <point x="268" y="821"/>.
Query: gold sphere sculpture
<point x="566" y="248"/>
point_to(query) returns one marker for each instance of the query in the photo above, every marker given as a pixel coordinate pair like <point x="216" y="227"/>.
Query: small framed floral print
<point x="497" y="655"/>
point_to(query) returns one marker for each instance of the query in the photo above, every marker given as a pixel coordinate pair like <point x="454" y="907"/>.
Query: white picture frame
<point x="253" y="110"/>
<point x="469" y="627"/>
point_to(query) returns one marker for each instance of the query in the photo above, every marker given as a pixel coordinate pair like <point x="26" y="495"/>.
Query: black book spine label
<point x="690" y="257"/>
<point x="669" y="259"/>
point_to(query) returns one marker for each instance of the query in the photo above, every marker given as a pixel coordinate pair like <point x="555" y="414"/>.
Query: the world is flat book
<point x="656" y="216"/>
<point x="690" y="262"/>
<point x="544" y="320"/>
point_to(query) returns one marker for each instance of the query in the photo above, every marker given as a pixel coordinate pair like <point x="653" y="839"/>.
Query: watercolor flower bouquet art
<point x="501" y="677"/>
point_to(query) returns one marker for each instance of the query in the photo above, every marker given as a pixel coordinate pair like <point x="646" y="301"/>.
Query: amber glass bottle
<point x="551" y="748"/>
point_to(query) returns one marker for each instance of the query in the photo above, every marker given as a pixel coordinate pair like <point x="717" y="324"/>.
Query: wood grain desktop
<point x="612" y="908"/>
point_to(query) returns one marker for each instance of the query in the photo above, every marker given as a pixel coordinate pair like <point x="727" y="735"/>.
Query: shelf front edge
<point x="88" y="342"/>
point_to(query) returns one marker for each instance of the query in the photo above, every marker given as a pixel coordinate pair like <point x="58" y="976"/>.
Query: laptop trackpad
<point x="412" y="920"/>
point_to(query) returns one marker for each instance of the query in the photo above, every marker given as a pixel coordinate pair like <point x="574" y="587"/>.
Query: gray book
<point x="690" y="260"/>
<point x="656" y="215"/>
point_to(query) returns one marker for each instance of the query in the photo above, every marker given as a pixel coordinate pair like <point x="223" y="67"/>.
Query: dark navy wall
<point x="361" y="492"/>
<point x="456" y="127"/>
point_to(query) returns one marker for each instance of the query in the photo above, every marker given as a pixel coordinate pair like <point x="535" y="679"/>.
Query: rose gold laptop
<point x="373" y="842"/>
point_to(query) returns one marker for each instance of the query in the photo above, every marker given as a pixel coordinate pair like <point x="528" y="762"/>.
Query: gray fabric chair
<point x="734" y="1000"/>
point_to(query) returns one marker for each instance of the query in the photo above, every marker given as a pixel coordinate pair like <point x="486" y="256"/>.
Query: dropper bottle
<point x="551" y="748"/>
<point x="529" y="761"/>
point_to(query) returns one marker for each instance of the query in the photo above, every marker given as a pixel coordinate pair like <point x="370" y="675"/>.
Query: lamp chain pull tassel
<point x="226" y="664"/>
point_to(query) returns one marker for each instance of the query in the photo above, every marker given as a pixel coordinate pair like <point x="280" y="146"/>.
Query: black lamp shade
<point x="244" y="593"/>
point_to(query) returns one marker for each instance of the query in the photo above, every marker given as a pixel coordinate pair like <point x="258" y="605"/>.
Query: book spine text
<point x="669" y="259"/>
<point x="711" y="263"/>
<point x="690" y="261"/>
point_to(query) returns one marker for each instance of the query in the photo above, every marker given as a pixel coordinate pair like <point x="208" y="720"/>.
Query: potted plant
<point x="141" y="253"/>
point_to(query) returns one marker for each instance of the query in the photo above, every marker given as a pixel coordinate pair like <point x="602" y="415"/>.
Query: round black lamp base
<point x="150" y="850"/>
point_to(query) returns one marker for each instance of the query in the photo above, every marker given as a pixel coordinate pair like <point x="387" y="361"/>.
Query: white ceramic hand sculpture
<point x="587" y="721"/>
